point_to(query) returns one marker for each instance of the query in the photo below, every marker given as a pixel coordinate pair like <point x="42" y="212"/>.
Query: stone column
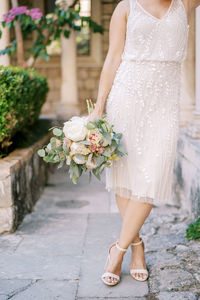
<point x="194" y="127"/>
<point x="4" y="41"/>
<point x="69" y="105"/>
<point x="188" y="78"/>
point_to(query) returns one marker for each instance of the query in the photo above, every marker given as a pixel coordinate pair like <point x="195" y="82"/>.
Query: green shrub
<point x="193" y="230"/>
<point x="22" y="94"/>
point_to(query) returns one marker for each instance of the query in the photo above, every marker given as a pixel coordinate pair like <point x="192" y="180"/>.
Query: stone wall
<point x="187" y="174"/>
<point x="23" y="175"/>
<point x="52" y="70"/>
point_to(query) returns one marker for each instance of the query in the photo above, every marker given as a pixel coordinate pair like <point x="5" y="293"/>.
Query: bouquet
<point x="83" y="146"/>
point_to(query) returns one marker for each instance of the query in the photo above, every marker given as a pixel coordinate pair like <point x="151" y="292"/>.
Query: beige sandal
<point x="141" y="271"/>
<point x="106" y="274"/>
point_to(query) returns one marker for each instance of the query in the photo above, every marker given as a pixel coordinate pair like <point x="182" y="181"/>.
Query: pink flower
<point x="35" y="10"/>
<point x="67" y="142"/>
<point x="8" y="18"/>
<point x="100" y="150"/>
<point x="18" y="10"/>
<point x="36" y="16"/>
<point x="93" y="147"/>
<point x="58" y="143"/>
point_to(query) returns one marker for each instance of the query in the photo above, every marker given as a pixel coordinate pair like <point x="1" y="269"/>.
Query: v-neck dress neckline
<point x="154" y="17"/>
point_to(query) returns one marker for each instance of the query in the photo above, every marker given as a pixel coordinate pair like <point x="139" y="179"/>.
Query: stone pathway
<point x="59" y="251"/>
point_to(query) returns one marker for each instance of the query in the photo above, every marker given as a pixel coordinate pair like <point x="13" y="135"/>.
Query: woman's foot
<point x="138" y="260"/>
<point x="113" y="264"/>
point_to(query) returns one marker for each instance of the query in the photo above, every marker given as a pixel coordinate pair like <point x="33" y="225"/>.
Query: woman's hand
<point x="94" y="114"/>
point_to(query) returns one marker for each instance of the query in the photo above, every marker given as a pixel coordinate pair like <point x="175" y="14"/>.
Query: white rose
<point x="79" y="160"/>
<point x="79" y="149"/>
<point x="75" y="129"/>
<point x="90" y="165"/>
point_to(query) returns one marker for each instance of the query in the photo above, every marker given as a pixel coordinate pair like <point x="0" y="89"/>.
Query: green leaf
<point x="107" y="152"/>
<point x="57" y="131"/>
<point x="66" y="33"/>
<point x="53" y="143"/>
<point x="90" y="126"/>
<point x="41" y="152"/>
<point x="61" y="164"/>
<point x="98" y="160"/>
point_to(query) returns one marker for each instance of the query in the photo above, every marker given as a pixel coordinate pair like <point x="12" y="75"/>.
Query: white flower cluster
<point x="63" y="4"/>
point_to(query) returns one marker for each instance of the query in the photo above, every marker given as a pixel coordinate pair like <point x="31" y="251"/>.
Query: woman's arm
<point x="194" y="3"/>
<point x="117" y="34"/>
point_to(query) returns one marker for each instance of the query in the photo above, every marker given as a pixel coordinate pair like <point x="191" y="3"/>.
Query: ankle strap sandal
<point x="109" y="274"/>
<point x="140" y="271"/>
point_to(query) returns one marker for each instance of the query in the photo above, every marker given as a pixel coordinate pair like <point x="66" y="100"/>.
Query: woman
<point x="140" y="80"/>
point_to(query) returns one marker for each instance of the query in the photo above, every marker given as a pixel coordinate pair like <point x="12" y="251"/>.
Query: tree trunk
<point x="19" y="39"/>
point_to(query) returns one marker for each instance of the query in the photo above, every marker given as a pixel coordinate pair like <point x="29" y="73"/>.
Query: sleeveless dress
<point x="144" y="104"/>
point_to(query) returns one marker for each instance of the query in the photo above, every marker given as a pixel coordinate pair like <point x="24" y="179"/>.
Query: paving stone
<point x="51" y="224"/>
<point x="49" y="289"/>
<point x="159" y="242"/>
<point x="43" y="245"/>
<point x="9" y="243"/>
<point x="113" y="298"/>
<point x="178" y="296"/>
<point x="92" y="266"/>
<point x="162" y="259"/>
<point x="60" y="249"/>
<point x="11" y="286"/>
<point x="39" y="267"/>
<point x="169" y="279"/>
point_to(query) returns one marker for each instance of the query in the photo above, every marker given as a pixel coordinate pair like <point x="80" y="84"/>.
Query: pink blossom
<point x="67" y="142"/>
<point x="92" y="147"/>
<point x="34" y="10"/>
<point x="18" y="10"/>
<point x="100" y="150"/>
<point x="8" y="18"/>
<point x="36" y="15"/>
<point x="58" y="143"/>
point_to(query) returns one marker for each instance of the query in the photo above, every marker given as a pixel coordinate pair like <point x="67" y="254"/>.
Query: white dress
<point x="144" y="103"/>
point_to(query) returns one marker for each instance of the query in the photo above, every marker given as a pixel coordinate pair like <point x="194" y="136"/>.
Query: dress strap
<point x="132" y="5"/>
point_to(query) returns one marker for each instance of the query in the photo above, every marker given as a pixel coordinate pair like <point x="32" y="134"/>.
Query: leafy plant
<point x="46" y="29"/>
<point x="193" y="230"/>
<point x="22" y="94"/>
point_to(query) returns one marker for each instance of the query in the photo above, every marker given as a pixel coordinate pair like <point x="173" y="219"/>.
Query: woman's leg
<point x="134" y="217"/>
<point x="122" y="205"/>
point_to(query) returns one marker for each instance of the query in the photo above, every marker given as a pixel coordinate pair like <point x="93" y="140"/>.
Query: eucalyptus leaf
<point x="90" y="126"/>
<point x="107" y="152"/>
<point x="57" y="131"/>
<point x="98" y="160"/>
<point x="41" y="152"/>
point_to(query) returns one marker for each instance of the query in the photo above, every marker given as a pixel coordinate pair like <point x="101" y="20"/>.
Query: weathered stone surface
<point x="49" y="289"/>
<point x="186" y="185"/>
<point x="9" y="243"/>
<point x="10" y="287"/>
<point x="20" y="266"/>
<point x="60" y="249"/>
<point x="6" y="219"/>
<point x="22" y="179"/>
<point x="178" y="296"/>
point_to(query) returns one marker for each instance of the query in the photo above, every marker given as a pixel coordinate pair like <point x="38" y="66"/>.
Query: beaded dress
<point x="144" y="103"/>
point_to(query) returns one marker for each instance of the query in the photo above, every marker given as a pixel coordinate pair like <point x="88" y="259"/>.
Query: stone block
<point x="90" y="83"/>
<point x="107" y="8"/>
<point x="6" y="219"/>
<point x="5" y="190"/>
<point x="48" y="289"/>
<point x="20" y="184"/>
